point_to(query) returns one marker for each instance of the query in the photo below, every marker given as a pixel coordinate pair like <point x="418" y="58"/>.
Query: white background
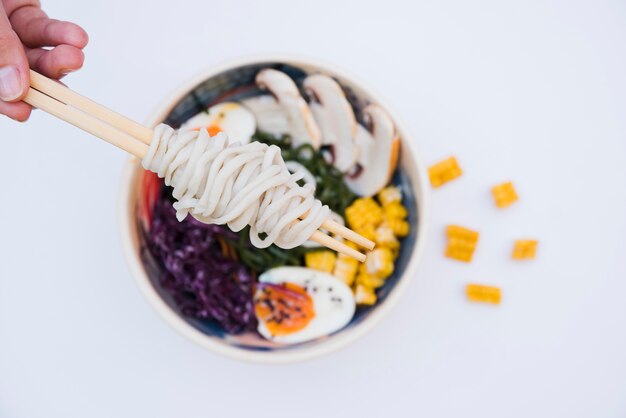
<point x="532" y="91"/>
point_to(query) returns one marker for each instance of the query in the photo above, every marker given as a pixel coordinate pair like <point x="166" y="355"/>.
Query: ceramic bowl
<point x="232" y="81"/>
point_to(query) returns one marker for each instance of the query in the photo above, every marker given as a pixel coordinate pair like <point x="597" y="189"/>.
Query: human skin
<point x="30" y="39"/>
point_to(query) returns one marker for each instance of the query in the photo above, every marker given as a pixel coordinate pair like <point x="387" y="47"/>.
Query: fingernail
<point x="66" y="71"/>
<point x="10" y="87"/>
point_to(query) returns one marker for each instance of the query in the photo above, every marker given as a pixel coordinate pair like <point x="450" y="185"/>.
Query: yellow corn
<point x="444" y="171"/>
<point x="367" y="280"/>
<point x="504" y="194"/>
<point x="399" y="227"/>
<point x="384" y="237"/>
<point x="525" y="249"/>
<point x="364" y="211"/>
<point x="320" y="260"/>
<point x="367" y="231"/>
<point x="379" y="262"/>
<point x="395" y="210"/>
<point x="388" y="195"/>
<point x="482" y="293"/>
<point x="346" y="268"/>
<point x="461" y="243"/>
<point x="364" y="295"/>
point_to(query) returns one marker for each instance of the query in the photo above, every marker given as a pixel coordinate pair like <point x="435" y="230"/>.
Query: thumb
<point x="14" y="70"/>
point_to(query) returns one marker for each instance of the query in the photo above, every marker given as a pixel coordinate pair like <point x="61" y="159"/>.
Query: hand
<point x="24" y="32"/>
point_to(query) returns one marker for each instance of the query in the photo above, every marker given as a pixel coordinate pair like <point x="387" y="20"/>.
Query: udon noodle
<point x="220" y="182"/>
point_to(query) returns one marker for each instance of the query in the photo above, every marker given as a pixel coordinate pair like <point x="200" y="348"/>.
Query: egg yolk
<point x="212" y="130"/>
<point x="284" y="309"/>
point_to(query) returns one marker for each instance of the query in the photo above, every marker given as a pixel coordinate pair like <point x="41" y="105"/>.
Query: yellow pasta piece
<point x="364" y="295"/>
<point x="364" y="211"/>
<point x="461" y="243"/>
<point x="388" y="195"/>
<point x="504" y="194"/>
<point x="320" y="260"/>
<point x="525" y="249"/>
<point x="482" y="293"/>
<point x="444" y="171"/>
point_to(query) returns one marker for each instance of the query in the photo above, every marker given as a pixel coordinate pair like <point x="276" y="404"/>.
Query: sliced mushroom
<point x="302" y="126"/>
<point x="335" y="118"/>
<point x="379" y="147"/>
<point x="270" y="116"/>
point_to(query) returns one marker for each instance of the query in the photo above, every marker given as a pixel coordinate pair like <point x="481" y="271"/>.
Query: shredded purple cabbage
<point x="203" y="283"/>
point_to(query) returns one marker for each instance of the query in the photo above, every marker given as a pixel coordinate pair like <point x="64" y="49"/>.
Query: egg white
<point x="330" y="315"/>
<point x="234" y="120"/>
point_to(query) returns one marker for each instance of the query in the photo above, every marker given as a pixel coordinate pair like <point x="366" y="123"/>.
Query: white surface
<point x="533" y="91"/>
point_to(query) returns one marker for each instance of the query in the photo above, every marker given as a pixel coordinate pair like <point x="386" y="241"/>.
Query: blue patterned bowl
<point x="234" y="81"/>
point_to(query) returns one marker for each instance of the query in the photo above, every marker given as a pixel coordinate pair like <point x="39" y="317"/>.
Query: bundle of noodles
<point x="219" y="182"/>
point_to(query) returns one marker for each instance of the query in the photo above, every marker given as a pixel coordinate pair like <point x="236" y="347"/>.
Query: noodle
<point x="219" y="182"/>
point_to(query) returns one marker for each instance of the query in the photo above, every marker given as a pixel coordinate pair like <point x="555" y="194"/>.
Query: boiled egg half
<point x="233" y="119"/>
<point x="297" y="304"/>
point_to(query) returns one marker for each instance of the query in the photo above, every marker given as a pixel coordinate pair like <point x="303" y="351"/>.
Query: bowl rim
<point x="127" y="223"/>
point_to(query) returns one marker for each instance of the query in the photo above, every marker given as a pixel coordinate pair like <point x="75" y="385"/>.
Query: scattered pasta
<point x="461" y="243"/>
<point x="483" y="293"/>
<point x="444" y="171"/>
<point x="504" y="194"/>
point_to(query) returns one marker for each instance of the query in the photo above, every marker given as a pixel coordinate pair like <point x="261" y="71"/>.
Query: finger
<point x="14" y="77"/>
<point x="56" y="62"/>
<point x="19" y="111"/>
<point x="35" y="29"/>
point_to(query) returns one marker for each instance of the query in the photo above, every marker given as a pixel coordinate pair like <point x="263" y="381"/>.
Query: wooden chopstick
<point x="134" y="138"/>
<point x="85" y="122"/>
<point x="347" y="233"/>
<point x="340" y="247"/>
<point x="88" y="106"/>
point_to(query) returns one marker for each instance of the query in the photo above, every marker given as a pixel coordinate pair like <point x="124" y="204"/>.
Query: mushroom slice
<point x="379" y="146"/>
<point x="302" y="126"/>
<point x="335" y="117"/>
<point x="270" y="116"/>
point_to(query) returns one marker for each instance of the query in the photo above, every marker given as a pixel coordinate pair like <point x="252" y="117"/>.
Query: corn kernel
<point x="346" y="269"/>
<point x="461" y="243"/>
<point x="395" y="210"/>
<point x="364" y="295"/>
<point x="399" y="227"/>
<point x="320" y="260"/>
<point x="482" y="293"/>
<point x="504" y="194"/>
<point x="369" y="281"/>
<point x="525" y="249"/>
<point x="364" y="211"/>
<point x="367" y="231"/>
<point x="379" y="262"/>
<point x="444" y="171"/>
<point x="389" y="194"/>
<point x="384" y="237"/>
